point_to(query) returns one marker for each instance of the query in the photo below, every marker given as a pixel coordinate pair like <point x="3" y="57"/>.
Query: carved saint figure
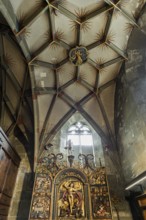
<point x="77" y="58"/>
<point x="71" y="201"/>
<point x="78" y="55"/>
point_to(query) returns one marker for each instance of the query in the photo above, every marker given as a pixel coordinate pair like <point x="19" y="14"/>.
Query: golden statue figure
<point x="77" y="58"/>
<point x="78" y="55"/>
<point x="70" y="203"/>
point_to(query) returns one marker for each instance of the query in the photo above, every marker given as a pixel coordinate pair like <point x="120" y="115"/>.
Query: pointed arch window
<point x="80" y="134"/>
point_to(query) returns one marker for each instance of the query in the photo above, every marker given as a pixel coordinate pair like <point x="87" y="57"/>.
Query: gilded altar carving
<point x="62" y="193"/>
<point x="71" y="199"/>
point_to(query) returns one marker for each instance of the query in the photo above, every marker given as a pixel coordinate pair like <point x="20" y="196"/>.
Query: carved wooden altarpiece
<point x="62" y="193"/>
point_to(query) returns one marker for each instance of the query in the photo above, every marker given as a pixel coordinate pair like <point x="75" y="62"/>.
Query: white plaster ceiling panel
<point x="120" y="33"/>
<point x="25" y="8"/>
<point x="53" y="54"/>
<point x="93" y="29"/>
<point x="132" y="7"/>
<point x="65" y="29"/>
<point x="93" y="109"/>
<point x="66" y="73"/>
<point x="88" y="73"/>
<point x="43" y="102"/>
<point x="107" y="98"/>
<point x="76" y="91"/>
<point x="38" y="32"/>
<point x="44" y="77"/>
<point x="102" y="54"/>
<point x="84" y="5"/>
<point x="56" y="115"/>
<point x="14" y="60"/>
<point x="108" y="73"/>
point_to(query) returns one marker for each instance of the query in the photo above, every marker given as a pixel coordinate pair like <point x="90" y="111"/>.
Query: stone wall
<point x="23" y="188"/>
<point x="131" y="108"/>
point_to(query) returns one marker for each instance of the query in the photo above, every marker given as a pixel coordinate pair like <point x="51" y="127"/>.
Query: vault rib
<point x="2" y="83"/>
<point x="97" y="12"/>
<point x="117" y="50"/>
<point x="64" y="11"/>
<point x="45" y="90"/>
<point x="32" y="19"/>
<point x="111" y="62"/>
<point x="78" y="34"/>
<point x="40" y="50"/>
<point x="86" y="84"/>
<point x="78" y="107"/>
<point x="95" y="44"/>
<point x="43" y="64"/>
<point x="106" y="120"/>
<point x="57" y="127"/>
<point x="67" y="84"/>
<point x="110" y="14"/>
<point x="51" y="23"/>
<point x="96" y="82"/>
<point x="12" y="77"/>
<point x="133" y="21"/>
<point x="106" y="85"/>
<point x="20" y="102"/>
<point x="46" y="121"/>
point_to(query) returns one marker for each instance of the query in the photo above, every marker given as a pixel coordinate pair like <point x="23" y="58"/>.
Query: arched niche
<point x="71" y="195"/>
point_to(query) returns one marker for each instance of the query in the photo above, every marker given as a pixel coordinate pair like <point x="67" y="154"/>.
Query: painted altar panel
<point x="41" y="202"/>
<point x="100" y="200"/>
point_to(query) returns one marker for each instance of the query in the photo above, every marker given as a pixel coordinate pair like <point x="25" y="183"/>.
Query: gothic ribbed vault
<point x="46" y="31"/>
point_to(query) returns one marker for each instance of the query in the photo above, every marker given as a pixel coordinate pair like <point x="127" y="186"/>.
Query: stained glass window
<point x="80" y="135"/>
